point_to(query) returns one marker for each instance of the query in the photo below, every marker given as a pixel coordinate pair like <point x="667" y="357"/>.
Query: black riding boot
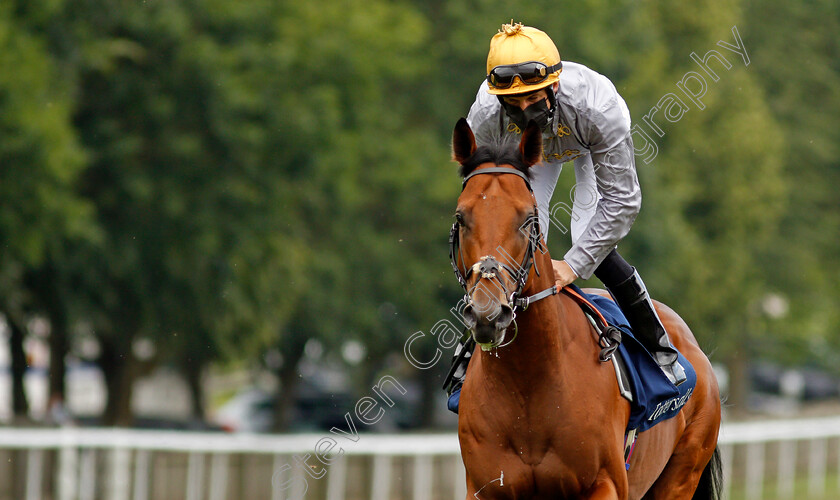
<point x="633" y="299"/>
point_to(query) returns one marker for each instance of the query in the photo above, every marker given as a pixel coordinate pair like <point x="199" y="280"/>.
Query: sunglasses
<point x="531" y="72"/>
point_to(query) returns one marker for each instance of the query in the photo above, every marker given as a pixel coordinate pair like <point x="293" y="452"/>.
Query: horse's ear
<point x="531" y="144"/>
<point x="463" y="141"/>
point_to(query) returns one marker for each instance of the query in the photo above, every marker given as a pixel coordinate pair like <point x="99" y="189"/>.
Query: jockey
<point x="584" y="120"/>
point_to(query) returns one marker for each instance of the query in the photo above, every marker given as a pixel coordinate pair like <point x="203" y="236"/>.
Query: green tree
<point x="804" y="264"/>
<point x="39" y="163"/>
<point x="716" y="192"/>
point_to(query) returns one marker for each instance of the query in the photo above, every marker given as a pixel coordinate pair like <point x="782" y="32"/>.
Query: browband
<point x="498" y="170"/>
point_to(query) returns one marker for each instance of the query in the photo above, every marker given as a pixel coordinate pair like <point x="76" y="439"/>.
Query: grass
<point x="801" y="490"/>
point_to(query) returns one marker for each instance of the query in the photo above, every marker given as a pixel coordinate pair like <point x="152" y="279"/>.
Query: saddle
<point x="653" y="398"/>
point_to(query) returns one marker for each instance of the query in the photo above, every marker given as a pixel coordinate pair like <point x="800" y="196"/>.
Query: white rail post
<point x="838" y="465"/>
<point x="381" y="489"/>
<point x="195" y="476"/>
<point x="755" y="471"/>
<point x="278" y="477"/>
<point x="423" y="471"/>
<point x="68" y="467"/>
<point x="817" y="458"/>
<point x="34" y="473"/>
<point x="300" y="486"/>
<point x="87" y="475"/>
<point x="787" y="469"/>
<point x="120" y="459"/>
<point x="219" y="476"/>
<point x="280" y="474"/>
<point x="141" y="475"/>
<point x="460" y="478"/>
<point x="727" y="453"/>
<point x="337" y="478"/>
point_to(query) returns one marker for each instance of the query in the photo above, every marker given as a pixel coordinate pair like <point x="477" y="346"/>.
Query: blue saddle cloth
<point x="655" y="398"/>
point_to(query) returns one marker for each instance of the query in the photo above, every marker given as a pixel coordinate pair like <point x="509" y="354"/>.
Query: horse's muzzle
<point x="488" y="324"/>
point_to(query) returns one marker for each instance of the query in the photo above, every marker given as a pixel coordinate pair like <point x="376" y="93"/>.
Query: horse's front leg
<point x="490" y="491"/>
<point x="606" y="487"/>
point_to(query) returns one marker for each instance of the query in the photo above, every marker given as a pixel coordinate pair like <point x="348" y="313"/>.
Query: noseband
<point x="489" y="267"/>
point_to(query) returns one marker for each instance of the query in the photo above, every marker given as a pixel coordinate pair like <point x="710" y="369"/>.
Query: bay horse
<point x="540" y="416"/>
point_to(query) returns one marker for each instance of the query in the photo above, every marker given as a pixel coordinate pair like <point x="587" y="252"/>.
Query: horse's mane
<point x="502" y="151"/>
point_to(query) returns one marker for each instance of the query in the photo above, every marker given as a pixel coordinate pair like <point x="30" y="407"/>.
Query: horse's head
<point x="496" y="230"/>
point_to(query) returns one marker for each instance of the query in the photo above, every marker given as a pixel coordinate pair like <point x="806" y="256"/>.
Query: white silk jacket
<point x="592" y="128"/>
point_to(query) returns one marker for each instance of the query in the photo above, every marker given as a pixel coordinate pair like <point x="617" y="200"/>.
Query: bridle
<point x="489" y="266"/>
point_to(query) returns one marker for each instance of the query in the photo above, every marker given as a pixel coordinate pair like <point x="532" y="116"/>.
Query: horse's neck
<point x="542" y="331"/>
<point x="547" y="311"/>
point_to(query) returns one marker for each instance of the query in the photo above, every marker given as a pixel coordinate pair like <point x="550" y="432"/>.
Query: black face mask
<point x="538" y="112"/>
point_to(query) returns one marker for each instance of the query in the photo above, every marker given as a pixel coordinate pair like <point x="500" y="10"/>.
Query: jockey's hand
<point x="563" y="274"/>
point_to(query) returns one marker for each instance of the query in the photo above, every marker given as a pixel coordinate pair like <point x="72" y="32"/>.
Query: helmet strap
<point x="552" y="110"/>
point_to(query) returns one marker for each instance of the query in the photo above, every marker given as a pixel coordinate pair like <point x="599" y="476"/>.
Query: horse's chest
<point x="518" y="464"/>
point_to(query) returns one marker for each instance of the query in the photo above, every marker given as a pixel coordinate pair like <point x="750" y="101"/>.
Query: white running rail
<point x="122" y="464"/>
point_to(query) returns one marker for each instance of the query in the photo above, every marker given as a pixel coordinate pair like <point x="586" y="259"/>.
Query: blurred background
<point x="230" y="216"/>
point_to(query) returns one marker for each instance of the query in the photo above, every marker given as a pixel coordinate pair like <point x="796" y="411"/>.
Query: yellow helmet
<point x="521" y="59"/>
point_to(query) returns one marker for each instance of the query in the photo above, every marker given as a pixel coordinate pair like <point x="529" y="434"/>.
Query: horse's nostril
<point x="505" y="317"/>
<point x="470" y="319"/>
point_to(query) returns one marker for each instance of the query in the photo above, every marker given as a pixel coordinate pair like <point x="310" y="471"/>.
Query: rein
<point x="489" y="267"/>
<point x="609" y="337"/>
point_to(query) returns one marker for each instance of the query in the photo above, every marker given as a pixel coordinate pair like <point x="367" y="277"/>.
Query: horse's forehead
<point x="502" y="191"/>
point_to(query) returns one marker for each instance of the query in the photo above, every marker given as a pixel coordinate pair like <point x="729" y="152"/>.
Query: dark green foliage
<point x="227" y="178"/>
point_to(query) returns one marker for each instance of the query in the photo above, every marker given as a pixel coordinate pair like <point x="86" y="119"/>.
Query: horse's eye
<point x="530" y="223"/>
<point x="529" y="219"/>
<point x="459" y="218"/>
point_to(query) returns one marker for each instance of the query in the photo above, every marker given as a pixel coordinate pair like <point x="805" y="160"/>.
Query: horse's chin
<point x="487" y="347"/>
<point x="488" y="337"/>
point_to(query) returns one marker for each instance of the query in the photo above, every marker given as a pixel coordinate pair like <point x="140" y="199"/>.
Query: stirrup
<point x="675" y="372"/>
